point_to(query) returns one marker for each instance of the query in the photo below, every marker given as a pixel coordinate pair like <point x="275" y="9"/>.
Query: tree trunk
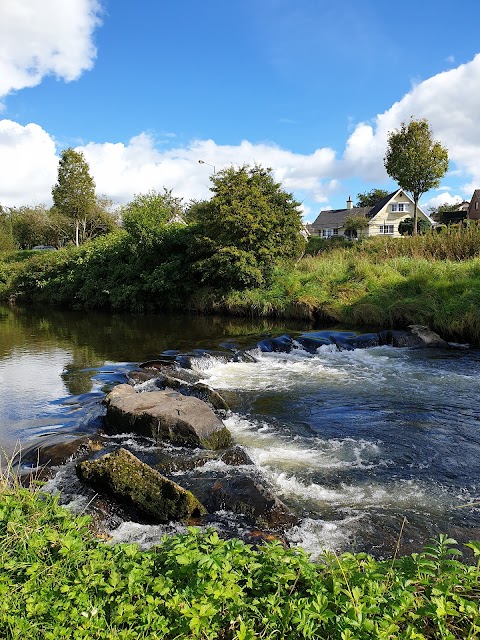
<point x="414" y="230"/>
<point x="77" y="226"/>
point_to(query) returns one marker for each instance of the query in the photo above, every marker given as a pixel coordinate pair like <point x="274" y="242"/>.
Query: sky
<point x="310" y="88"/>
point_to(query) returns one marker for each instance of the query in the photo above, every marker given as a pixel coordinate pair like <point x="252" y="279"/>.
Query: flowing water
<point x="363" y="445"/>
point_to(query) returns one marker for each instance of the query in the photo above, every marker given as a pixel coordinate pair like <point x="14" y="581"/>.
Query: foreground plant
<point x="57" y="580"/>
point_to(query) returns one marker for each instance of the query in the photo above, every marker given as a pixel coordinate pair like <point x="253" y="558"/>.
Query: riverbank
<point x="67" y="582"/>
<point x="379" y="283"/>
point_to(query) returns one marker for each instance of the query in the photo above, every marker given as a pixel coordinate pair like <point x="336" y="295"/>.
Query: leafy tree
<point x="369" y="198"/>
<point x="405" y="227"/>
<point x="146" y="216"/>
<point x="250" y="222"/>
<point x="7" y="241"/>
<point x="415" y="160"/>
<point x="31" y="226"/>
<point x="354" y="223"/>
<point x="74" y="192"/>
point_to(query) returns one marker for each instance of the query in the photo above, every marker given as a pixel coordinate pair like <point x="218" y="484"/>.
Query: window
<point x="476" y="204"/>
<point x="386" y="229"/>
<point x="400" y="206"/>
<point x="328" y="233"/>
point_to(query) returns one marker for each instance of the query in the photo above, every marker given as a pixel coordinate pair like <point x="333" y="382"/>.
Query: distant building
<point x="474" y="206"/>
<point x="383" y="217"/>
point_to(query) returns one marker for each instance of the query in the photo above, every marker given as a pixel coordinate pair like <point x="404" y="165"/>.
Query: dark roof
<point x="381" y="203"/>
<point x="334" y="218"/>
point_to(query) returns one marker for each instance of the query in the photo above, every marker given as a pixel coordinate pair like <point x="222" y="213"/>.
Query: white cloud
<point x="28" y="164"/>
<point x="122" y="170"/>
<point x="442" y="198"/>
<point x="451" y="104"/>
<point x="28" y="160"/>
<point x="47" y="37"/>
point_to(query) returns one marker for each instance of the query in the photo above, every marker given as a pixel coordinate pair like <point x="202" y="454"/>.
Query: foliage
<point x="376" y="282"/>
<point x="74" y="193"/>
<point x="354" y="223"/>
<point x="57" y="581"/>
<point x="415" y="160"/>
<point x="369" y="198"/>
<point x="405" y="227"/>
<point x="249" y="213"/>
<point x="146" y="216"/>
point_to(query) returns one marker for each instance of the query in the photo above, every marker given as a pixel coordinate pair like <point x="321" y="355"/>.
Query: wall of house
<point x="474" y="208"/>
<point x="387" y="216"/>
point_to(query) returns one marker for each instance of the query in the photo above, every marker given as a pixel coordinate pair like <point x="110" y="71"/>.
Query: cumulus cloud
<point x="442" y="198"/>
<point x="28" y="164"/>
<point x="451" y="105"/>
<point x="51" y="37"/>
<point x="122" y="170"/>
<point x="28" y="159"/>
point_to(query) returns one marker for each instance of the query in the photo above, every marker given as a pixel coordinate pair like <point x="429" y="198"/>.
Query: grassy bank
<point x="58" y="580"/>
<point x="377" y="283"/>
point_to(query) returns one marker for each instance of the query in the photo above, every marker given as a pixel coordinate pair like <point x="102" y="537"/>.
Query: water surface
<point x="355" y="442"/>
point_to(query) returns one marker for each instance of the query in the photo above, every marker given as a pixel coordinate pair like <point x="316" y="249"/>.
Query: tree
<point x="415" y="160"/>
<point x="405" y="226"/>
<point x="147" y="214"/>
<point x="250" y="222"/>
<point x="354" y="223"/>
<point x="74" y="192"/>
<point x="369" y="198"/>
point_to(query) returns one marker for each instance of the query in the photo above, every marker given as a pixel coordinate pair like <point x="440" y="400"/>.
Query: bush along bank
<point x="57" y="579"/>
<point x="379" y="283"/>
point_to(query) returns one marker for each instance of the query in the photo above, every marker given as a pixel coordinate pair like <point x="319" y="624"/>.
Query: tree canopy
<point x="415" y="161"/>
<point x="369" y="198"/>
<point x="74" y="193"/>
<point x="249" y="223"/>
<point x="148" y="213"/>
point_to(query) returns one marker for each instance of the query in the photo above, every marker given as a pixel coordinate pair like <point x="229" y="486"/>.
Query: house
<point x="474" y="207"/>
<point x="383" y="217"/>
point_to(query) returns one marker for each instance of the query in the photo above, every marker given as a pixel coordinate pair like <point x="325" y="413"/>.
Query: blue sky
<point x="310" y="88"/>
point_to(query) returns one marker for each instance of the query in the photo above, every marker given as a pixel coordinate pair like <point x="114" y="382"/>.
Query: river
<point x="367" y="447"/>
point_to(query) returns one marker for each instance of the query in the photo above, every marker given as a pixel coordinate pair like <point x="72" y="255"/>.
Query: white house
<point x="383" y="217"/>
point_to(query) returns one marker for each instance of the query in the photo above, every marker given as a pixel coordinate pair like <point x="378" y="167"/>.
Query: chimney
<point x="349" y="203"/>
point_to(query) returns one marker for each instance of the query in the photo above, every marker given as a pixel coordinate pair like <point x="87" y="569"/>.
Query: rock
<point x="312" y="344"/>
<point x="236" y="456"/>
<point x="418" y="337"/>
<point x="197" y="390"/>
<point x="58" y="453"/>
<point x="365" y="340"/>
<point x="428" y="337"/>
<point x="165" y="416"/>
<point x="242" y="494"/>
<point x="128" y="479"/>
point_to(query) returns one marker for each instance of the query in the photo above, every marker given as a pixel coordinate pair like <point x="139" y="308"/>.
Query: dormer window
<point x="400" y="206"/>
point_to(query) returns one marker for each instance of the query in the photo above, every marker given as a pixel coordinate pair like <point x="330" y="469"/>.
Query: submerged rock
<point x="165" y="416"/>
<point x="125" y="477"/>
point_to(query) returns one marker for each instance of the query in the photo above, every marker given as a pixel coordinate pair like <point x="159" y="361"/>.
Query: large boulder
<point x="165" y="416"/>
<point x="428" y="337"/>
<point x="125" y="477"/>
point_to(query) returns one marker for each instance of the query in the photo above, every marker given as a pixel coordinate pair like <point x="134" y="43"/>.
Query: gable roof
<point x="334" y="218"/>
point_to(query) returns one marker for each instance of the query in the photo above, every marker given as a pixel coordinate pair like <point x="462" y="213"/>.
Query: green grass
<point x="58" y="580"/>
<point x="376" y="283"/>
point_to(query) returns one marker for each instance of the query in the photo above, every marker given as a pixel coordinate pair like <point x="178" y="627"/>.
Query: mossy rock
<point x="125" y="477"/>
